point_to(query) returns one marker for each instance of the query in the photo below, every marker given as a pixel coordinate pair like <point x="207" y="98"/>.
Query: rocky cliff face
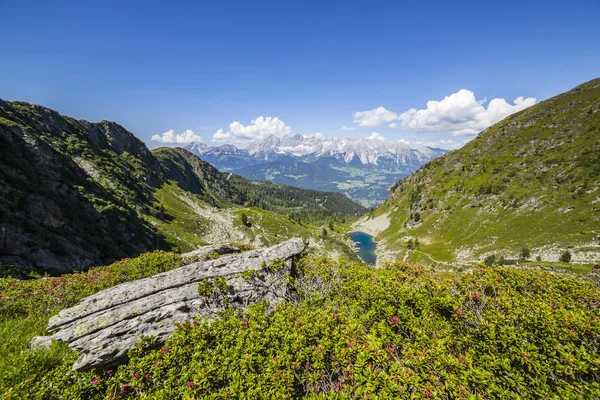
<point x="55" y="212"/>
<point x="106" y="325"/>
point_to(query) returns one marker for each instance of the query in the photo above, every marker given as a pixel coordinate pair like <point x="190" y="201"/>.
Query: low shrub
<point x="359" y="332"/>
<point x="25" y="307"/>
<point x="565" y="257"/>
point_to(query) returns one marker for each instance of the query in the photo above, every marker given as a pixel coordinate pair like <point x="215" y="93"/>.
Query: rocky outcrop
<point x="106" y="325"/>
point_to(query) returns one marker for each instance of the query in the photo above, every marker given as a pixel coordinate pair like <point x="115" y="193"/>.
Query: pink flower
<point x="458" y="311"/>
<point x="429" y="395"/>
<point x="59" y="295"/>
<point x="394" y="320"/>
<point x="351" y="345"/>
<point x="163" y="350"/>
<point x="476" y="297"/>
<point x="135" y="376"/>
<point x="125" y="387"/>
<point x="109" y="371"/>
<point x="190" y="385"/>
<point x="96" y="380"/>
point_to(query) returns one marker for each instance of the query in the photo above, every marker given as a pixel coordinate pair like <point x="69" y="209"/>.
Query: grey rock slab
<point x="106" y="325"/>
<point x="129" y="291"/>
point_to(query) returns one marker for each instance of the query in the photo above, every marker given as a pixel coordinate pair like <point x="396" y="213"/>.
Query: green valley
<point x="510" y="309"/>
<point x="265" y="200"/>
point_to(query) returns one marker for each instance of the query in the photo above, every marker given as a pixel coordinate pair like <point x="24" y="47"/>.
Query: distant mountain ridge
<point x="367" y="150"/>
<point x="362" y="168"/>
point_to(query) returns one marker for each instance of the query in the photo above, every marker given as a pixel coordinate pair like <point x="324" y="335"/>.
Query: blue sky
<point x="199" y="66"/>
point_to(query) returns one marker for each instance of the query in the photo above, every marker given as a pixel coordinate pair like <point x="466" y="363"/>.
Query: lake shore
<point x="372" y="226"/>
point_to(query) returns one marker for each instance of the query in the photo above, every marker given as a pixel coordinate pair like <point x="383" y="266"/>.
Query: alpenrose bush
<point x="50" y="295"/>
<point x="26" y="306"/>
<point x="395" y="332"/>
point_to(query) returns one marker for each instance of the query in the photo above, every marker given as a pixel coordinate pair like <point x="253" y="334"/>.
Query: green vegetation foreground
<point x="354" y="332"/>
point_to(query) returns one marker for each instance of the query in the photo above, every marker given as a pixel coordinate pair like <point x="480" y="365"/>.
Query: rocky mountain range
<point x="363" y="169"/>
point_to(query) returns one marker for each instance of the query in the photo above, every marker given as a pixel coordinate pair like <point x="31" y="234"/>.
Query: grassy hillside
<point x="194" y="222"/>
<point x="75" y="194"/>
<point x="531" y="181"/>
<point x="352" y="332"/>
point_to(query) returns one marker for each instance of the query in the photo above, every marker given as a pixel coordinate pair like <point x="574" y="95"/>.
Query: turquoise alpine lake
<point x="366" y="246"/>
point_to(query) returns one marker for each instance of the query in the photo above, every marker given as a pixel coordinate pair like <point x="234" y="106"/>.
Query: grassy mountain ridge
<point x="529" y="181"/>
<point x="74" y="193"/>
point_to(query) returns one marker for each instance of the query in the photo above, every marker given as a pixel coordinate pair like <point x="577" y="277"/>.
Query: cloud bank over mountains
<point x="171" y="136"/>
<point x="458" y="114"/>
<point x="259" y="129"/>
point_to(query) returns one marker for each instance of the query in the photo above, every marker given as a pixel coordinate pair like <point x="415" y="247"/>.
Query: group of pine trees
<point x="301" y="205"/>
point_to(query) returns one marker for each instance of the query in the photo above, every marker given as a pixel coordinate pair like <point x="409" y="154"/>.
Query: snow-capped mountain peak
<point x="363" y="169"/>
<point x="367" y="150"/>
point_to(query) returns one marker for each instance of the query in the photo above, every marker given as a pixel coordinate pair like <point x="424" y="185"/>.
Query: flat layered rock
<point x="105" y="326"/>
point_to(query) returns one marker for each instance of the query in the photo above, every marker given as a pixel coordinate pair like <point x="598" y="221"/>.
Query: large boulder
<point x="106" y="325"/>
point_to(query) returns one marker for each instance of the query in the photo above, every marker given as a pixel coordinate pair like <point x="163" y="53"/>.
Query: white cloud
<point x="258" y="129"/>
<point x="221" y="136"/>
<point x="376" y="136"/>
<point x="459" y="114"/>
<point x="171" y="136"/>
<point x="374" y="117"/>
<point x="347" y="128"/>
<point x="406" y="142"/>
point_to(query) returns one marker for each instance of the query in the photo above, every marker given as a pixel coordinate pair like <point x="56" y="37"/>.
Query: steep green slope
<point x="530" y="181"/>
<point x="75" y="194"/>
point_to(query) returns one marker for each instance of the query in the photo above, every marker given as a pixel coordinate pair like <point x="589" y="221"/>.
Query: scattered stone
<point x="40" y="342"/>
<point x="205" y="252"/>
<point x="565" y="210"/>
